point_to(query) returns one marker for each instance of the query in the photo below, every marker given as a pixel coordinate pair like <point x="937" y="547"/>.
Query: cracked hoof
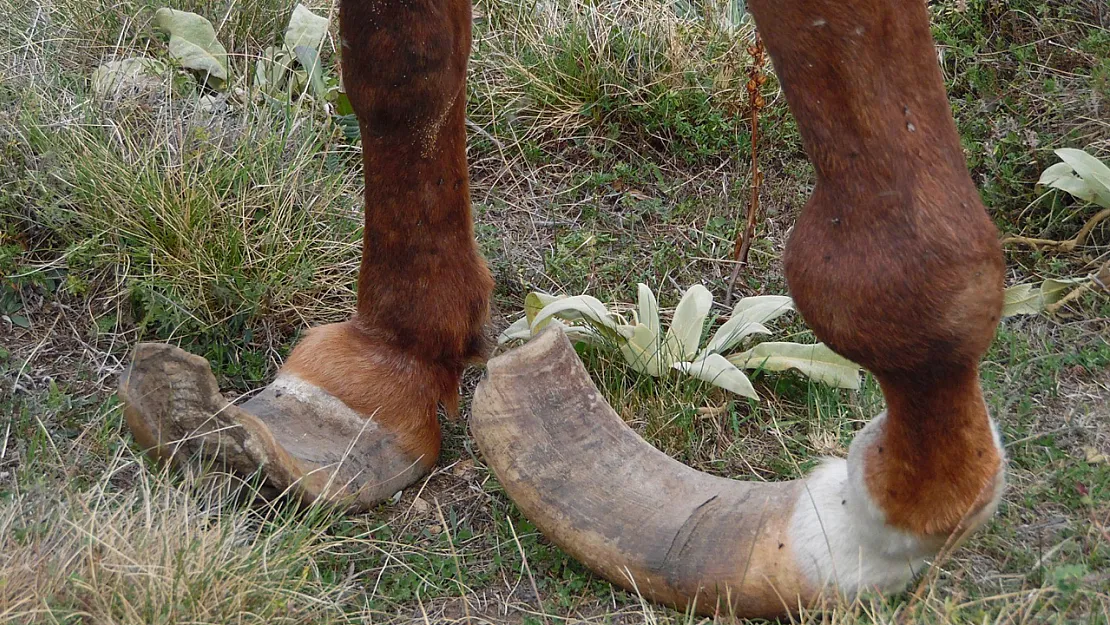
<point x="303" y="439"/>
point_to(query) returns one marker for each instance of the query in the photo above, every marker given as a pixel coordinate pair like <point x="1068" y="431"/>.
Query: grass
<point x="605" y="150"/>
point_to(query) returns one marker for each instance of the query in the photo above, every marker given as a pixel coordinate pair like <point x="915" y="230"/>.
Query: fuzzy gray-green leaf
<point x="305" y="29"/>
<point x="310" y="61"/>
<point x="115" y="77"/>
<point x="816" y="361"/>
<point x="718" y="371"/>
<point x="193" y="42"/>
<point x="1093" y="172"/>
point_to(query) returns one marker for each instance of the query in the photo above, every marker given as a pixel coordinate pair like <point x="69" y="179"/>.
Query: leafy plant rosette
<point x="649" y="351"/>
<point x="280" y="72"/>
<point x="276" y="73"/>
<point x="1080" y="175"/>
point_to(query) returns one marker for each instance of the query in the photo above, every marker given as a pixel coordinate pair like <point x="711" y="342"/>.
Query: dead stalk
<point x="1065" y="246"/>
<point x="756" y="79"/>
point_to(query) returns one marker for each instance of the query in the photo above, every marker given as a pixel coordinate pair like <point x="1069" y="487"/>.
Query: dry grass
<point x="159" y="553"/>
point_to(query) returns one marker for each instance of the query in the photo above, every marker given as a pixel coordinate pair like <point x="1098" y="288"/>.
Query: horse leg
<point x="893" y="262"/>
<point x="352" y="413"/>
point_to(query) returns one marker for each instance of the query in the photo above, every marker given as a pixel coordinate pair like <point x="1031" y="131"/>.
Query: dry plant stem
<point x="1102" y="277"/>
<point x="743" y="243"/>
<point x="1067" y="245"/>
<point x="1074" y="294"/>
<point x="1099" y="279"/>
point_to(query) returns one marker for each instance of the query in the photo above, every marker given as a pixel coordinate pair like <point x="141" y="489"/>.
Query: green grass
<point x="605" y="150"/>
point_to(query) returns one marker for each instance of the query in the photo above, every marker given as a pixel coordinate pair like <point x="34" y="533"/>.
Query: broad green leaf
<point x="535" y="301"/>
<point x="816" y="361"/>
<point x="732" y="332"/>
<point x="298" y="78"/>
<point x="1079" y="189"/>
<point x="1031" y="299"/>
<point x="310" y="61"/>
<point x="305" y="29"/>
<point x="1093" y="172"/>
<point x="343" y="105"/>
<point x="649" y="309"/>
<point x="1061" y="176"/>
<point x="116" y="76"/>
<point x="689" y="317"/>
<point x="193" y="42"/>
<point x="582" y="307"/>
<point x="717" y="370"/>
<point x="642" y="352"/>
<point x="762" y="308"/>
<point x="642" y="349"/>
<point x="686" y="9"/>
<point x="1055" y="172"/>
<point x="1022" y="299"/>
<point x="580" y="334"/>
<point x="1055" y="289"/>
<point x="519" y="330"/>
<point x="732" y="15"/>
<point x="748" y="317"/>
<point x="576" y="333"/>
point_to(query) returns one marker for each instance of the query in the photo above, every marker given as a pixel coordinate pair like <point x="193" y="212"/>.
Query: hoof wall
<point x="301" y="438"/>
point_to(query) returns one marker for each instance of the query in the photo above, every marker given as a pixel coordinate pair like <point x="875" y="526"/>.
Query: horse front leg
<point x="352" y="414"/>
<point x="893" y="262"/>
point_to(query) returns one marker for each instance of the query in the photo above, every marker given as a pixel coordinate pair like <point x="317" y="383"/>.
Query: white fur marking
<point x="838" y="540"/>
<point x="840" y="536"/>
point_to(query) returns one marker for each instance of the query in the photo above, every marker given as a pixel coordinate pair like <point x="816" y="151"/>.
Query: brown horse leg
<point x="893" y="262"/>
<point x="423" y="287"/>
<point x="352" y="413"/>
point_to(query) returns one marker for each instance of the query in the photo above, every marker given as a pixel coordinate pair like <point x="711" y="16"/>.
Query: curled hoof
<point x="645" y="521"/>
<point x="303" y="439"/>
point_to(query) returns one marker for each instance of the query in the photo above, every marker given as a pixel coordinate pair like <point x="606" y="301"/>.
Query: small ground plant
<point x="648" y="351"/>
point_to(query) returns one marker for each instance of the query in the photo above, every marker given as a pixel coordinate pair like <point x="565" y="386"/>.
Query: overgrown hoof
<point x="303" y="440"/>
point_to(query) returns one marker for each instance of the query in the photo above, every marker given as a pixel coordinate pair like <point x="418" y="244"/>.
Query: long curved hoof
<point x="302" y="439"/>
<point x="677" y="536"/>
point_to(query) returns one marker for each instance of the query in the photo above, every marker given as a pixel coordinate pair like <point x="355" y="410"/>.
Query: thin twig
<point x="1097" y="279"/>
<point x="1066" y="245"/>
<point x="528" y="571"/>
